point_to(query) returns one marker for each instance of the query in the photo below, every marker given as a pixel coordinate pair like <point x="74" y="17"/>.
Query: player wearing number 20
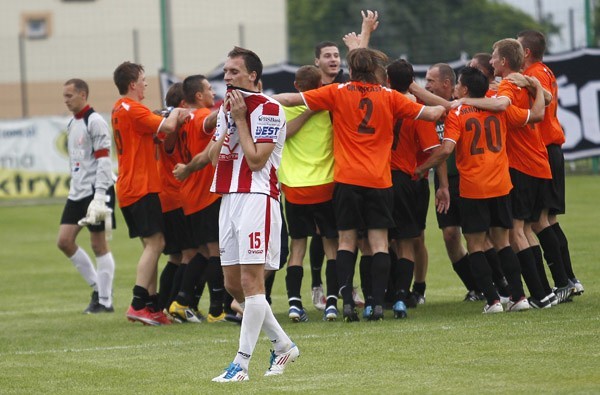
<point x="485" y="183"/>
<point x="363" y="117"/>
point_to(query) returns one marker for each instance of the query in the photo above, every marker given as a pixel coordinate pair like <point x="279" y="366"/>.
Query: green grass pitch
<point x="446" y="346"/>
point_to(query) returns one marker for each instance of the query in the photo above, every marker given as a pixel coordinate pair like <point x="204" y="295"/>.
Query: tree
<point x="423" y="31"/>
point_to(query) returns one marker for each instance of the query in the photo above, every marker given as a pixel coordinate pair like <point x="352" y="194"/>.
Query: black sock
<point x="198" y="291"/>
<point x="539" y="265"/>
<point x="530" y="274"/>
<point x="564" y="250"/>
<point x="177" y="282"/>
<point x="366" y="282"/>
<point x="463" y="270"/>
<point x="345" y="273"/>
<point x="419" y="288"/>
<point x="497" y="273"/>
<point x="269" y="281"/>
<point x="380" y="274"/>
<point x="332" y="283"/>
<point x="140" y="297"/>
<point x="404" y="273"/>
<point x="316" y="255"/>
<point x="512" y="271"/>
<point x="152" y="303"/>
<point x="216" y="285"/>
<point x="551" y="247"/>
<point x="166" y="284"/>
<point x="483" y="276"/>
<point x="191" y="278"/>
<point x="293" y="283"/>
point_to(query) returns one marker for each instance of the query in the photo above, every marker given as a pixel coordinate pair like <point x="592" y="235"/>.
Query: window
<point x="36" y="25"/>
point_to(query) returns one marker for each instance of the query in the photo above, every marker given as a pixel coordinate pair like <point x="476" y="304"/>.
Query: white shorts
<point x="250" y="230"/>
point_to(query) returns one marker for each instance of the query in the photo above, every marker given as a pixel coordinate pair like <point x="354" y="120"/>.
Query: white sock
<point x="280" y="339"/>
<point x="82" y="262"/>
<point x="106" y="274"/>
<point x="252" y="322"/>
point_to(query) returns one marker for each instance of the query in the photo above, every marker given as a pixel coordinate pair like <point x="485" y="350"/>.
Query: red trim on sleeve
<point x="101" y="153"/>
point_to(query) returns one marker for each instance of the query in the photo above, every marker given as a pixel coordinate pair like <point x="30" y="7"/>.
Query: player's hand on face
<point x="237" y="105"/>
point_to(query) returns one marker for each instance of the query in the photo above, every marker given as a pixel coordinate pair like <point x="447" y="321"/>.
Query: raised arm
<point x="289" y="99"/>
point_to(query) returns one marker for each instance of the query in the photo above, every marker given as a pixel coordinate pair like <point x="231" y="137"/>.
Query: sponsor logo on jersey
<point x="228" y="157"/>
<point x="255" y="252"/>
<point x="266" y="131"/>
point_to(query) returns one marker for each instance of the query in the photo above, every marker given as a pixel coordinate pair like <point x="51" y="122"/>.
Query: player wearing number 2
<point x="363" y="118"/>
<point x="485" y="182"/>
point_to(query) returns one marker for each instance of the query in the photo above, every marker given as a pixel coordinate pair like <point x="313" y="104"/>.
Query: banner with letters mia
<point x="33" y="158"/>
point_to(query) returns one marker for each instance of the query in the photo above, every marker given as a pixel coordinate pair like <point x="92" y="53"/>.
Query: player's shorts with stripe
<point x="556" y="190"/>
<point x="452" y="217"/>
<point x="250" y="230"/>
<point x="203" y="225"/>
<point x="479" y="215"/>
<point x="144" y="218"/>
<point x="176" y="232"/>
<point x="77" y="209"/>
<point x="358" y="207"/>
<point x="405" y="206"/>
<point x="303" y="220"/>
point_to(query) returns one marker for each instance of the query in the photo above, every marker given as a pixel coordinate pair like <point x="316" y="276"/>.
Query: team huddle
<point x="343" y="163"/>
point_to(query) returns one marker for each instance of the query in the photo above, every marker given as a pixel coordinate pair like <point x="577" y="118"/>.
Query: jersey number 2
<point x="473" y="125"/>
<point x="367" y="105"/>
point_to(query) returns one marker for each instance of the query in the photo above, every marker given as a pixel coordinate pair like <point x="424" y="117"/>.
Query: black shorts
<point x="303" y="220"/>
<point x="556" y="188"/>
<point x="452" y="217"/>
<point x="204" y="225"/>
<point x="422" y="202"/>
<point x="527" y="196"/>
<point x="359" y="207"/>
<point x="144" y="218"/>
<point x="479" y="215"/>
<point x="77" y="209"/>
<point x="176" y="234"/>
<point x="406" y="202"/>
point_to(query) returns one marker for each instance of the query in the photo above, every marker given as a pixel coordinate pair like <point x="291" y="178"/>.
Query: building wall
<point x="88" y="39"/>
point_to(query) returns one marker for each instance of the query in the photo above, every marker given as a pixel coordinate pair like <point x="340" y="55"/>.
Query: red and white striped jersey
<point x="266" y="120"/>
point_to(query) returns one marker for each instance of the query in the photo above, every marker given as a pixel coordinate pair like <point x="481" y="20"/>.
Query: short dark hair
<point x="400" y="74"/>
<point x="174" y="95"/>
<point x="79" y="85"/>
<point x="475" y="81"/>
<point x="322" y="45"/>
<point x="251" y="61"/>
<point x="534" y="41"/>
<point x="191" y="85"/>
<point x="483" y="58"/>
<point x="125" y="74"/>
<point x="364" y="64"/>
<point x="307" y="78"/>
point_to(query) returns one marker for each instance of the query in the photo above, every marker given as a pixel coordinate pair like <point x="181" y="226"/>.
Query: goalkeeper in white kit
<point x="91" y="197"/>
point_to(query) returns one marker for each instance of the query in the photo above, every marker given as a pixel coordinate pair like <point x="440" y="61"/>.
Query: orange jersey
<point x="481" y="157"/>
<point x="363" y="120"/>
<point x="549" y="127"/>
<point x="193" y="138"/>
<point x="170" y="197"/>
<point x="525" y="148"/>
<point x="134" y="127"/>
<point x="412" y="137"/>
